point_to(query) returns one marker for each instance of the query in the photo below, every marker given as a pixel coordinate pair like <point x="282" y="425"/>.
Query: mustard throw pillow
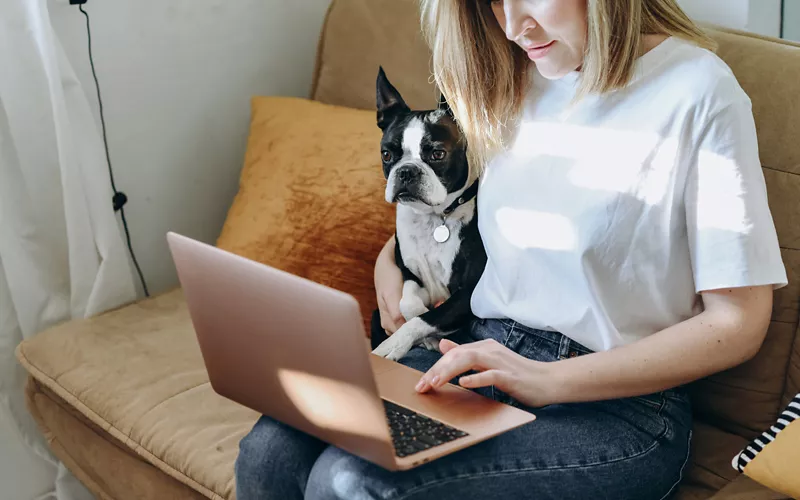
<point x="310" y="199"/>
<point x="773" y="458"/>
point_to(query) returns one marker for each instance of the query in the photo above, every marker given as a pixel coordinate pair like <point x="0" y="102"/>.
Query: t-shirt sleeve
<point x="731" y="233"/>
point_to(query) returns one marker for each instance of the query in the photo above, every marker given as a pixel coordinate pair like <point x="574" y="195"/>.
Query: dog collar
<point x="466" y="196"/>
<point x="442" y="233"/>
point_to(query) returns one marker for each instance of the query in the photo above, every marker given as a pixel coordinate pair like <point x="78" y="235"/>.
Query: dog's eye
<point x="439" y="154"/>
<point x="386" y="156"/>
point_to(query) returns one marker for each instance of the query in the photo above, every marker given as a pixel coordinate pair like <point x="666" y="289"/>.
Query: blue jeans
<point x="635" y="448"/>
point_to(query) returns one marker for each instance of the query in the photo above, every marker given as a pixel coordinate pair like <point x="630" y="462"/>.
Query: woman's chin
<point x="551" y="71"/>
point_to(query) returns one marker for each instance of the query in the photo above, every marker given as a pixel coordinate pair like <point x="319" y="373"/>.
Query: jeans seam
<point x="683" y="466"/>
<point x="422" y="487"/>
<point x="508" y="335"/>
<point x="505" y="344"/>
<point x="659" y="406"/>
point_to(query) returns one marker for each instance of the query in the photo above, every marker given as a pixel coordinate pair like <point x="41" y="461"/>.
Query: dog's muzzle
<point x="408" y="183"/>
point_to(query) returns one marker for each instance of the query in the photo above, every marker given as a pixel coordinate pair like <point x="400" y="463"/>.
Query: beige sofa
<point x="124" y="400"/>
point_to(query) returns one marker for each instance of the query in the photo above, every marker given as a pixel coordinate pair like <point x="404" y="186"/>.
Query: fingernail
<point x="435" y="381"/>
<point x="420" y="384"/>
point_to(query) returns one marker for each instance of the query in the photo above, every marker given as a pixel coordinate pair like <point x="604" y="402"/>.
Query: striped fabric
<point x="789" y="415"/>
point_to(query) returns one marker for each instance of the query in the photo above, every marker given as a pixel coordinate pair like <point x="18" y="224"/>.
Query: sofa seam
<point x="707" y="469"/>
<point x="787" y="371"/>
<point x="143" y="415"/>
<point x="748" y="389"/>
<point x="774" y="169"/>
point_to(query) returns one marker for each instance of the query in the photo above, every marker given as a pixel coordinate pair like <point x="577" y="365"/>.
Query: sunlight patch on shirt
<point x="720" y="203"/>
<point x="584" y="143"/>
<point x="619" y="161"/>
<point x="532" y="229"/>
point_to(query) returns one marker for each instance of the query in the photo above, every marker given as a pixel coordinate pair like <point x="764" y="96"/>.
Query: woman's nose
<point x="517" y="20"/>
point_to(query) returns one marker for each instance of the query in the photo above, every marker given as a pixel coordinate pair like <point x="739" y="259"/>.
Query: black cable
<point x="783" y="17"/>
<point x="119" y="198"/>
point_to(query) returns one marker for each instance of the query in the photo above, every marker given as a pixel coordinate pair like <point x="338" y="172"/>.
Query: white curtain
<point x="61" y="252"/>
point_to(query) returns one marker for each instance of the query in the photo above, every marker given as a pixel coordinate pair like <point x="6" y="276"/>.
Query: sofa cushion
<point x="383" y="33"/>
<point x="137" y="374"/>
<point x="310" y="199"/>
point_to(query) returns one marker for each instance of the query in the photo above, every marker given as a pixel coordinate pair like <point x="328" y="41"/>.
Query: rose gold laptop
<point x="296" y="351"/>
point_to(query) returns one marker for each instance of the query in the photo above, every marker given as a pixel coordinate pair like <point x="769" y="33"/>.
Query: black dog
<point x="438" y="247"/>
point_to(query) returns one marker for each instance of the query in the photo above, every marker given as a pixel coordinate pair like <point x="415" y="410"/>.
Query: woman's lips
<point x="540" y="51"/>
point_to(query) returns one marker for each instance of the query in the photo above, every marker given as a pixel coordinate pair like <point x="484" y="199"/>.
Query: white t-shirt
<point x="605" y="219"/>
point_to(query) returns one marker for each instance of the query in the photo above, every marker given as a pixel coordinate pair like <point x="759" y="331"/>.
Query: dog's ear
<point x="444" y="105"/>
<point x="389" y="101"/>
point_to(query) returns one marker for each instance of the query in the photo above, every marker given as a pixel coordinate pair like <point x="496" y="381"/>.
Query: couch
<point x="124" y="401"/>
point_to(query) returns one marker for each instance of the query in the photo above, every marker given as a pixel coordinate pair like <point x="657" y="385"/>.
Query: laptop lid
<point x="284" y="346"/>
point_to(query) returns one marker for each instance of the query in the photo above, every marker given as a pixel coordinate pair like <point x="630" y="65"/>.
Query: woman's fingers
<point x="484" y="379"/>
<point x="446" y="346"/>
<point x="455" y="361"/>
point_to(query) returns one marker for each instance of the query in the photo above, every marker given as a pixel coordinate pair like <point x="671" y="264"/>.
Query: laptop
<point x="296" y="351"/>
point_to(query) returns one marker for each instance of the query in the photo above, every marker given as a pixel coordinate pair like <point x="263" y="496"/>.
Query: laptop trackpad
<point x="450" y="404"/>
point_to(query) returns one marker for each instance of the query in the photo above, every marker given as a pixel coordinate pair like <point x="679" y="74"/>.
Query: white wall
<point x="176" y="78"/>
<point x="791" y="22"/>
<point x="765" y="17"/>
<point x="758" y="16"/>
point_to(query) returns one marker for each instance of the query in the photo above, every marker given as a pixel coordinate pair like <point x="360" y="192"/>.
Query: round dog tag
<point x="441" y="234"/>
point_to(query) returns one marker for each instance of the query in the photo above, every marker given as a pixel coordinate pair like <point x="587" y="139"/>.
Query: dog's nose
<point x="408" y="174"/>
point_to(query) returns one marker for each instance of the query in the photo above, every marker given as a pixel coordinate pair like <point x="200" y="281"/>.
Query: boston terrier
<point x="438" y="248"/>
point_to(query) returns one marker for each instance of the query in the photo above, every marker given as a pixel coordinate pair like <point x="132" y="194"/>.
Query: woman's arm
<point x="389" y="288"/>
<point x="728" y="332"/>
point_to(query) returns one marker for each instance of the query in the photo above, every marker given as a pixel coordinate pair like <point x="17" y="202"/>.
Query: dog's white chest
<point x="430" y="260"/>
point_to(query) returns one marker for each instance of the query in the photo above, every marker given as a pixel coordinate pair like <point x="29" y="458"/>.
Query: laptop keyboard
<point x="412" y="432"/>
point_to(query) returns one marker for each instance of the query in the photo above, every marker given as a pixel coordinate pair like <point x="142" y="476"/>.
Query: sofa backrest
<point x="361" y="35"/>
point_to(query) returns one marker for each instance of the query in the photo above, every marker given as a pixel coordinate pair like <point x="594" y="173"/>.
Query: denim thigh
<point x="634" y="448"/>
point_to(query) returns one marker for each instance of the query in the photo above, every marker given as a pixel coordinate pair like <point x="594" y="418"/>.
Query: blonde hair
<point x="483" y="75"/>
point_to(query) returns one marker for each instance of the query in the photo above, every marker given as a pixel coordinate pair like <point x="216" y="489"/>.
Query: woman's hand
<point x="389" y="288"/>
<point x="527" y="381"/>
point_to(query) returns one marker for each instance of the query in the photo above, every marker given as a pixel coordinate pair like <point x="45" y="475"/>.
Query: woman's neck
<point x="649" y="42"/>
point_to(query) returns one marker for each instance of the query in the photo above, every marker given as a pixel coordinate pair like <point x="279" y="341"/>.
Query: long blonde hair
<point x="483" y="75"/>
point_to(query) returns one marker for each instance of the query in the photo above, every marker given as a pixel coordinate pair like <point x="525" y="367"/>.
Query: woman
<point x="630" y="251"/>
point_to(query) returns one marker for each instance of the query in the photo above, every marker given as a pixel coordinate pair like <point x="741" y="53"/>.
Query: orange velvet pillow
<point x="310" y="198"/>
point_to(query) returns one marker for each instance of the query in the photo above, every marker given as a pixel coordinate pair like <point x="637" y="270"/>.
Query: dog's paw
<point x="412" y="306"/>
<point x="406" y="337"/>
<point x="431" y="344"/>
<point x="395" y="347"/>
<point x="414" y="301"/>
